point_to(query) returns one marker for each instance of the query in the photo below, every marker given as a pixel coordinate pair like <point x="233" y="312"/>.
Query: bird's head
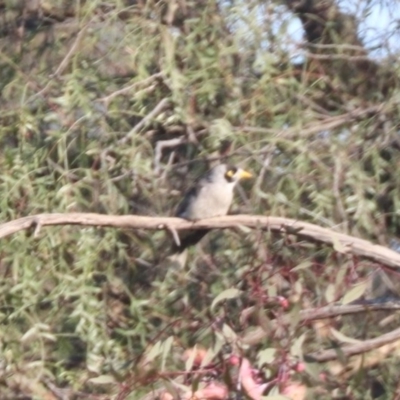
<point x="223" y="173"/>
<point x="235" y="174"/>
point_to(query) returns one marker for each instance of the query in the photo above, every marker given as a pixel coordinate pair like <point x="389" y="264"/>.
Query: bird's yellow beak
<point x="244" y="174"/>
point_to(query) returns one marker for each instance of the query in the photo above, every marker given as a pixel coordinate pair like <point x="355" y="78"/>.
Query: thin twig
<point x="312" y="104"/>
<point x="336" y="310"/>
<point x="338" y="57"/>
<point x="337" y="180"/>
<point x="60" y="393"/>
<point x="68" y="174"/>
<point x="316" y="217"/>
<point x="126" y="174"/>
<point x="257" y="335"/>
<point x="323" y="125"/>
<point x="175" y="235"/>
<point x="63" y="63"/>
<point x="133" y="86"/>
<point x="168" y="165"/>
<point x="161" y="106"/>
<point x="336" y="46"/>
<point x="160" y="146"/>
<point x="353" y="349"/>
<point x="71" y="51"/>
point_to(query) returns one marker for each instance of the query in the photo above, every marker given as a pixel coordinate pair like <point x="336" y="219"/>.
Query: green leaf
<point x="296" y="349"/>
<point x="339" y="246"/>
<point x="303" y="265"/>
<point x="341" y="274"/>
<point x="229" y="334"/>
<point x="102" y="380"/>
<point x="30" y="334"/>
<point x="244" y="229"/>
<point x="281" y="197"/>
<point x="266" y="356"/>
<point x="343" y="338"/>
<point x="356" y="292"/>
<point x="208" y="357"/>
<point x="227" y="294"/>
<point x="189" y="362"/>
<point x="154" y="352"/>
<point x="330" y="293"/>
<point x="166" y="348"/>
<point x="173" y="388"/>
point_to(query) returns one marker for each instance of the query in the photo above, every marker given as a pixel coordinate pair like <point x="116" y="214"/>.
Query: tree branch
<point x="347" y="309"/>
<point x="341" y="242"/>
<point x="333" y="38"/>
<point x="132" y="86"/>
<point x="257" y="335"/>
<point x="353" y="349"/>
<point x="160" y="107"/>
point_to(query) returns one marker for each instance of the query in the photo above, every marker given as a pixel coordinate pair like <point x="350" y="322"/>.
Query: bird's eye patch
<point x="230" y="173"/>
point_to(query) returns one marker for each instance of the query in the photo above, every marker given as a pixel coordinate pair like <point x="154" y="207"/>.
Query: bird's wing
<point x="187" y="199"/>
<point x="192" y="194"/>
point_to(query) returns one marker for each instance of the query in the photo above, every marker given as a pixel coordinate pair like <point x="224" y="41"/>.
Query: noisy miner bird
<point x="211" y="196"/>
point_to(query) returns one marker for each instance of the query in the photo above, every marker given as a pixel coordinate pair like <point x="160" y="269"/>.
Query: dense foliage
<point x="115" y="107"/>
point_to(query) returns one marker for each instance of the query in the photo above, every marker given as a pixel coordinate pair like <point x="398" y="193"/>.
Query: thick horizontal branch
<point x="341" y="242"/>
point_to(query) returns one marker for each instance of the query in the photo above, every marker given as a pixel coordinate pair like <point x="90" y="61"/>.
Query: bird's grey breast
<point x="211" y="200"/>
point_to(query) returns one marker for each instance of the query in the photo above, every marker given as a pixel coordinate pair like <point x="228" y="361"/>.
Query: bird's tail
<point x="190" y="239"/>
<point x="178" y="253"/>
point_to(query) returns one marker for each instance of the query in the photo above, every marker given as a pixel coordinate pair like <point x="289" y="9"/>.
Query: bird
<point x="211" y="196"/>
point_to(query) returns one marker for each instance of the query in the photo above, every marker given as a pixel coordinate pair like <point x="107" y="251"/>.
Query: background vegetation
<point x="114" y="107"/>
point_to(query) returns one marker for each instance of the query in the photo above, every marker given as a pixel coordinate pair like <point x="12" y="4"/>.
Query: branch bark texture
<point x="341" y="242"/>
